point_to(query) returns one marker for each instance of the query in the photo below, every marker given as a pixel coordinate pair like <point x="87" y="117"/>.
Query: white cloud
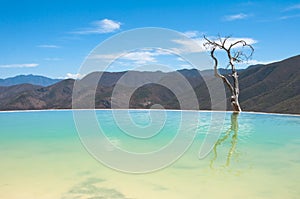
<point x="288" y="9"/>
<point x="293" y="7"/>
<point x="150" y="56"/>
<point x="48" y="46"/>
<point x="191" y="34"/>
<point x="160" y="51"/>
<point x="180" y="59"/>
<point x="235" y="17"/>
<point x="140" y="57"/>
<point x="196" y="45"/>
<point x="107" y="25"/>
<point x="74" y="76"/>
<point x="254" y="62"/>
<point x="31" y="65"/>
<point x="289" y="17"/>
<point x="101" y="27"/>
<point x="189" y="46"/>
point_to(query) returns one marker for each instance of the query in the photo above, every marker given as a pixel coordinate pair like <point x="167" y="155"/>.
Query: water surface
<point x="256" y="156"/>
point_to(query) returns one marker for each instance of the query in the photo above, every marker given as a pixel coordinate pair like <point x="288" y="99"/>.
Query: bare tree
<point x="235" y="54"/>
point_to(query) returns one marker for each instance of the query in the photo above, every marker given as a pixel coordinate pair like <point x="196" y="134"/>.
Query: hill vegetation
<point x="273" y="87"/>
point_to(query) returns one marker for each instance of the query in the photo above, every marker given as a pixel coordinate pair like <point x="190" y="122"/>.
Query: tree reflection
<point x="233" y="130"/>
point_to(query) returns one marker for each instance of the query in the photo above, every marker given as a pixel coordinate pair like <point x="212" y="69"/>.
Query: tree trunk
<point x="236" y="91"/>
<point x="235" y="104"/>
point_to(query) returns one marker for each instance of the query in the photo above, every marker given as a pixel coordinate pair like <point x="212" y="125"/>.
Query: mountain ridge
<point x="28" y="79"/>
<point x="272" y="87"/>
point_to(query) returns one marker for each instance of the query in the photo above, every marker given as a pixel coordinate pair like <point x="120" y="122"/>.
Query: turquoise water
<point x="256" y="156"/>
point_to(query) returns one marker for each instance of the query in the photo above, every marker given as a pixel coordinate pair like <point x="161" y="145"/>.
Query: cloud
<point x="289" y="17"/>
<point x="150" y="56"/>
<point x="191" y="34"/>
<point x="140" y="57"/>
<point x="189" y="46"/>
<point x="288" y="9"/>
<point x="255" y="62"/>
<point x="32" y="65"/>
<point x="293" y="7"/>
<point x="235" y="17"/>
<point x="196" y="45"/>
<point x="74" y="76"/>
<point x="180" y="59"/>
<point x="101" y="27"/>
<point x="137" y="57"/>
<point x="194" y="34"/>
<point x="48" y="46"/>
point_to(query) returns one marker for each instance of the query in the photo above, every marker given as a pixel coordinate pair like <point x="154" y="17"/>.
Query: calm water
<point x="256" y="156"/>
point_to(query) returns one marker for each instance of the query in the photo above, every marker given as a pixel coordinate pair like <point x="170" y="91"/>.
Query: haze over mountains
<point x="273" y="87"/>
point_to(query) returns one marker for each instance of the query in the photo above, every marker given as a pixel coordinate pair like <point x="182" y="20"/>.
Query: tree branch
<point x="217" y="74"/>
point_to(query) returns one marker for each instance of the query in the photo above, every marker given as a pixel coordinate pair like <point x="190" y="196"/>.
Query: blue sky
<point x="52" y="38"/>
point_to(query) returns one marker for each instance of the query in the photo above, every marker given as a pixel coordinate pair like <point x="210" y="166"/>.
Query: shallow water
<point x="256" y="156"/>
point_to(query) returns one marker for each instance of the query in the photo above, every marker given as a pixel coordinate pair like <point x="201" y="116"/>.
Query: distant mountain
<point x="27" y="96"/>
<point x="273" y="87"/>
<point x="28" y="79"/>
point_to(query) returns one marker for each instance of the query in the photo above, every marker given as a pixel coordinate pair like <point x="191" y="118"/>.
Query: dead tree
<point x="235" y="54"/>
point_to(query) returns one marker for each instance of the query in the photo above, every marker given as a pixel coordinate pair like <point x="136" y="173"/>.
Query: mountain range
<point x="273" y="87"/>
<point x="28" y="79"/>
